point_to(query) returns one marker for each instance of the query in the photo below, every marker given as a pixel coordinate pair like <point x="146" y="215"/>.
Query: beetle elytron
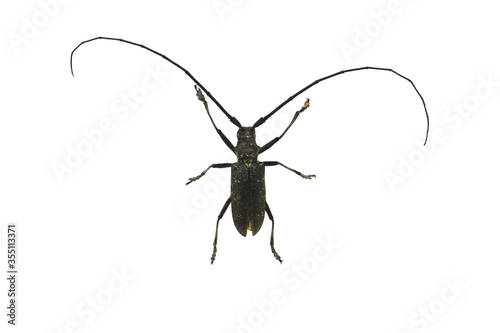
<point x="248" y="192"/>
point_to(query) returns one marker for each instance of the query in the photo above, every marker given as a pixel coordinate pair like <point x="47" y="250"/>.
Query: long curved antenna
<point x="263" y="119"/>
<point x="231" y="118"/>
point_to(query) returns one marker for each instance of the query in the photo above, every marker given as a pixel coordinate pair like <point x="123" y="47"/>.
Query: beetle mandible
<point x="248" y="190"/>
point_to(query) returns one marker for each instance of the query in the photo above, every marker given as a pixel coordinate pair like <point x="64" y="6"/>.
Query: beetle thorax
<point x="247" y="149"/>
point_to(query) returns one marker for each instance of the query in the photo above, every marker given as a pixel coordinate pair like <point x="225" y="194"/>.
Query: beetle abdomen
<point x="248" y="196"/>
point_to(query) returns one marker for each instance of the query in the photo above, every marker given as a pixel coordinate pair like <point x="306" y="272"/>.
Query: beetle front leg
<point x="276" y="139"/>
<point x="297" y="172"/>
<point x="235" y="121"/>
<point x="218" y="165"/>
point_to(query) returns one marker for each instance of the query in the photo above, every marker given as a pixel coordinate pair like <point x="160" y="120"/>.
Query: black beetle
<point x="248" y="189"/>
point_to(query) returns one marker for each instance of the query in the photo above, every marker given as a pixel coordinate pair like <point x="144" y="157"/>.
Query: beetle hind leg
<point x="276" y="255"/>
<point x="221" y="214"/>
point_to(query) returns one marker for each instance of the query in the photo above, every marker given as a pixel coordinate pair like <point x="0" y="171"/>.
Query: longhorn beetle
<point x="248" y="190"/>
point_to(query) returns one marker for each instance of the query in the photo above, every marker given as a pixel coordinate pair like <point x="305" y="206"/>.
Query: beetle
<point x="248" y="191"/>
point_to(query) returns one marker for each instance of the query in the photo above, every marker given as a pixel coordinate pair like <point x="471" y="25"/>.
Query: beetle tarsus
<point x="276" y="255"/>
<point x="306" y="105"/>
<point x="213" y="255"/>
<point x="199" y="94"/>
<point x="192" y="179"/>
<point x="308" y="176"/>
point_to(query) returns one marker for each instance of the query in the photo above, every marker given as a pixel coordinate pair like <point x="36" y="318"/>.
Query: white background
<point x="125" y="208"/>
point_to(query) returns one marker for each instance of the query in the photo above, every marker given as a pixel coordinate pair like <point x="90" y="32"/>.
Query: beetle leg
<point x="217" y="228"/>
<point x="270" y="215"/>
<point x="297" y="172"/>
<point x="218" y="165"/>
<point x="224" y="138"/>
<point x="276" y="139"/>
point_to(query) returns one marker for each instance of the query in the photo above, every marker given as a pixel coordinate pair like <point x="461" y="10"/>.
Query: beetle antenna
<point x="263" y="119"/>
<point x="231" y="118"/>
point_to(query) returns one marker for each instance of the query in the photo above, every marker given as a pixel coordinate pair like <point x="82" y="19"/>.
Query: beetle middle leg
<point x="273" y="163"/>
<point x="270" y="215"/>
<point x="217" y="165"/>
<point x="221" y="214"/>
